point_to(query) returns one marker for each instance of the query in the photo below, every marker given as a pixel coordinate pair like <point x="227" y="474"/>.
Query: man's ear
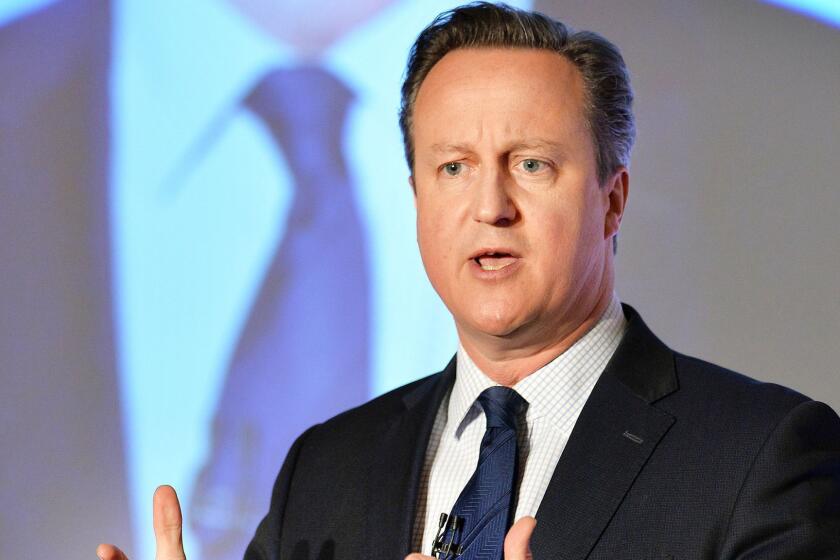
<point x="413" y="188"/>
<point x="616" y="191"/>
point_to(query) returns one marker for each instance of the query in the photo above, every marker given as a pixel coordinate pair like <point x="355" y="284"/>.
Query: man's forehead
<point x="474" y="76"/>
<point x="512" y="144"/>
<point x="502" y="59"/>
<point x="501" y="99"/>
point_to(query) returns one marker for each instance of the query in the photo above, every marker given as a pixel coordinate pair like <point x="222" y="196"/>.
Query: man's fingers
<point x="517" y="542"/>
<point x="166" y="519"/>
<point x="110" y="552"/>
<point x="518" y="539"/>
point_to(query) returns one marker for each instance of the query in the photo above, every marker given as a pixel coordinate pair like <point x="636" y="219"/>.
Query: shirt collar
<point x="557" y="390"/>
<point x="184" y="67"/>
<point x="181" y="68"/>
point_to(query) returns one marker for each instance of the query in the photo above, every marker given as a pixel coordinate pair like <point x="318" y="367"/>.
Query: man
<point x="561" y="406"/>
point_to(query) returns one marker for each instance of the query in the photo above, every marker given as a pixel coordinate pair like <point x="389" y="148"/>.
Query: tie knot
<point x="301" y="98"/>
<point x="501" y="406"/>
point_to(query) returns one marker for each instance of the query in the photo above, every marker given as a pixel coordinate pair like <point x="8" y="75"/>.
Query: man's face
<point x="513" y="227"/>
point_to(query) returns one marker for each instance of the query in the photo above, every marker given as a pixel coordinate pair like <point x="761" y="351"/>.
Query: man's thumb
<point x="166" y="518"/>
<point x="518" y="539"/>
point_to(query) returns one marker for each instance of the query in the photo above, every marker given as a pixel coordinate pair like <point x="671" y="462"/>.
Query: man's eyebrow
<point x="537" y="144"/>
<point x="447" y="147"/>
<point x="534" y="144"/>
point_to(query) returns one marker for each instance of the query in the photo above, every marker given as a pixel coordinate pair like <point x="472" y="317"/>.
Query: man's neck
<point x="508" y="364"/>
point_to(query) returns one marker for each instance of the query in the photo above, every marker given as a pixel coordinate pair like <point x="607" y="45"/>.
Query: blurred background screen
<point x="207" y="234"/>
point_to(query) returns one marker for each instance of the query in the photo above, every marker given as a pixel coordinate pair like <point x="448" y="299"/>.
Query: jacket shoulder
<point x="733" y="391"/>
<point x="385" y="405"/>
<point x="351" y="429"/>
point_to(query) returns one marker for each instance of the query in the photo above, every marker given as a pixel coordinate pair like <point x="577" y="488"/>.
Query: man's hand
<point x="166" y="519"/>
<point x="517" y="542"/>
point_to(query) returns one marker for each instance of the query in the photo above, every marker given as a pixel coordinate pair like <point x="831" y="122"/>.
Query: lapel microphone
<point x="451" y="549"/>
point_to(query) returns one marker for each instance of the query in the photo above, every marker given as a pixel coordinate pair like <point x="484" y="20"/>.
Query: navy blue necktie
<point x="483" y="512"/>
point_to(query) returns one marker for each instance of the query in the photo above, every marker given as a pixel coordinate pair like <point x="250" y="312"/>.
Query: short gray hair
<point x="609" y="97"/>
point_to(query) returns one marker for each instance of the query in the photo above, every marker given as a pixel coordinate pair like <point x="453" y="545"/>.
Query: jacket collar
<point x="615" y="435"/>
<point x="395" y="477"/>
<point x="642" y="362"/>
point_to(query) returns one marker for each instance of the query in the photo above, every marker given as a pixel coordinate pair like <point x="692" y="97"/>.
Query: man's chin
<point x="497" y="326"/>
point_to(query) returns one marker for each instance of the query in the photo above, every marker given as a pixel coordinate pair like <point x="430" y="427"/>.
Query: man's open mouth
<point x="494" y="260"/>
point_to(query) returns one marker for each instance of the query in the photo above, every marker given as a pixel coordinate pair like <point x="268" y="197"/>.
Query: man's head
<point x="609" y="97"/>
<point x="519" y="174"/>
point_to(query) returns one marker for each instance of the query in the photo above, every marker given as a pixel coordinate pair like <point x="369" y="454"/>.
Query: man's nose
<point x="493" y="203"/>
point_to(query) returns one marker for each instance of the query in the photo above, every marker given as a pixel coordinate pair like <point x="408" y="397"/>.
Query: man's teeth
<point x="494" y="262"/>
<point x="488" y="266"/>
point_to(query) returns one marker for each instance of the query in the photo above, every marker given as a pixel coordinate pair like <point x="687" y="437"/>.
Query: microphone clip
<point x="443" y="549"/>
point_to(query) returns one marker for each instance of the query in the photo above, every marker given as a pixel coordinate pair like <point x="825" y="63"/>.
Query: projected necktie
<point x="304" y="108"/>
<point x="483" y="512"/>
<point x="303" y="354"/>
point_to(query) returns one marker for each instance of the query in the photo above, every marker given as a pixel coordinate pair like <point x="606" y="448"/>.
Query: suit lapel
<point x="613" y="438"/>
<point x="394" y="481"/>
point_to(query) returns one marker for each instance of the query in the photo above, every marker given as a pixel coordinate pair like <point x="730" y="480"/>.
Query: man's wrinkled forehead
<point x="460" y="100"/>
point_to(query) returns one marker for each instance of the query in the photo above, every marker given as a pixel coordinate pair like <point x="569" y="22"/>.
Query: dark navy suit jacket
<point x="671" y="457"/>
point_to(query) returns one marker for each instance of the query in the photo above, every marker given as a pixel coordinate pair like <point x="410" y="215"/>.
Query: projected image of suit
<point x="227" y="224"/>
<point x="61" y="438"/>
<point x="303" y="352"/>
<point x="192" y="225"/>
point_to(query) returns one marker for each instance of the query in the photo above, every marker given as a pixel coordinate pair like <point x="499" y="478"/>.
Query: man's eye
<point x="453" y="168"/>
<point x="532" y="165"/>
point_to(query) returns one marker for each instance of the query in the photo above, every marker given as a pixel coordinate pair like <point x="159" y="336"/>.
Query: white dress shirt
<point x="555" y="394"/>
